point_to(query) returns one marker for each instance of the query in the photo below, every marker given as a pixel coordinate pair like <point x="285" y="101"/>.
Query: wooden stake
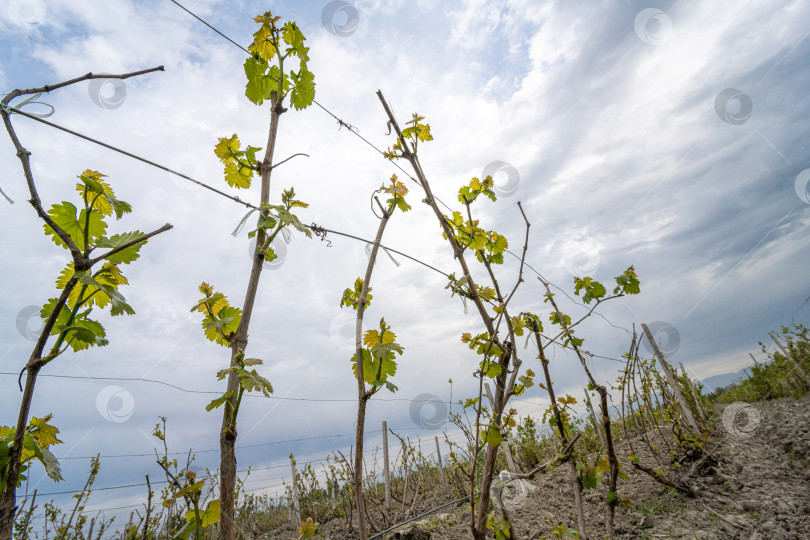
<point x="296" y="505"/>
<point x="129" y="523"/>
<point x="506" y="450"/>
<point x="31" y="511"/>
<point x="754" y="359"/>
<point x="386" y="468"/>
<point x="695" y="394"/>
<point x="441" y="467"/>
<point x="779" y="344"/>
<point x="673" y="381"/>
<point x="594" y="420"/>
<point x="90" y="533"/>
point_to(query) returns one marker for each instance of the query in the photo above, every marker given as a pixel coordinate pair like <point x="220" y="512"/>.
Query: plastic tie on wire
<point x="32" y="100"/>
<point x="241" y="225"/>
<point x="369" y="247"/>
<point x="6" y="197"/>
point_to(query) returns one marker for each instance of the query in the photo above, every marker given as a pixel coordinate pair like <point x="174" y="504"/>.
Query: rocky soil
<point x="758" y="489"/>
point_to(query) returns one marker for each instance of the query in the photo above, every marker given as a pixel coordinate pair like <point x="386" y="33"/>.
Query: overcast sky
<point x="671" y="136"/>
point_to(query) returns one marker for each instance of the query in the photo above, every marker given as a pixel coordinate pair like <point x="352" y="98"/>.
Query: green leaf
<point x="226" y="322"/>
<point x="43" y="432"/>
<point x="211" y="515"/>
<point x="218" y="402"/>
<point x="252" y="381"/>
<point x="119" y="304"/>
<point x="492" y="436"/>
<point x="589" y="481"/>
<point x="261" y="82"/>
<point x="628" y="282"/>
<point x="270" y="254"/>
<point x="80" y="341"/>
<point x="264" y="44"/>
<point x="252" y="362"/>
<point x="227" y="149"/>
<point x="250" y="154"/>
<point x="351" y="297"/>
<point x="288" y="218"/>
<point x="493" y="370"/>
<point x="64" y="215"/>
<point x="191" y="488"/>
<point x="124" y="256"/>
<point x="51" y="464"/>
<point x="293" y="37"/>
<point x="303" y="91"/>
<point x="98" y="194"/>
<point x="238" y="176"/>
<point x="623" y="475"/>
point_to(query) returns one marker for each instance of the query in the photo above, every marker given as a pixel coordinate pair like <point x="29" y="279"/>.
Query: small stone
<point x="752" y="505"/>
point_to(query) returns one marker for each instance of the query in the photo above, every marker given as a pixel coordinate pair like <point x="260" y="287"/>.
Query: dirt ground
<point x="759" y="489"/>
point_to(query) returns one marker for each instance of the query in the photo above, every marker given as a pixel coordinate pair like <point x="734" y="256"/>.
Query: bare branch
<point x="51" y="87"/>
<point x="131" y="243"/>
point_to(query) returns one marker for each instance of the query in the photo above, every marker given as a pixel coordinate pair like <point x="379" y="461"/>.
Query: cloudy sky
<point x="667" y="135"/>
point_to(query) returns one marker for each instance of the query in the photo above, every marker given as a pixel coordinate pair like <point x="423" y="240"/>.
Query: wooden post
<point x="673" y="382"/>
<point x="754" y="359"/>
<point x="695" y="394"/>
<point x="506" y="450"/>
<point x="90" y="532"/>
<point x="779" y="344"/>
<point x="296" y="504"/>
<point x="129" y="523"/>
<point x="31" y="511"/>
<point x="168" y="523"/>
<point x="386" y="467"/>
<point x="441" y="467"/>
<point x="594" y="420"/>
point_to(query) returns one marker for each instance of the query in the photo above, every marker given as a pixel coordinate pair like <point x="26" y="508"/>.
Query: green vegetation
<point x="782" y="376"/>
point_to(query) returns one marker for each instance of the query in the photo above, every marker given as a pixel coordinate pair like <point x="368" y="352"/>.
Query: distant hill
<point x="716" y="381"/>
